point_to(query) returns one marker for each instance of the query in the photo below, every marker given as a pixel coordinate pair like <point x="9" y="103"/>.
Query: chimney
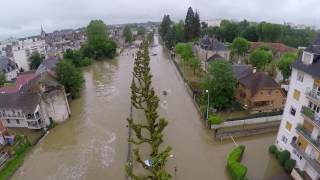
<point x="254" y="70"/>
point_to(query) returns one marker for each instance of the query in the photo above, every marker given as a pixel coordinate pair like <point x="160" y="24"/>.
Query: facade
<point x="257" y="91"/>
<point x="33" y="102"/>
<point x="299" y="131"/>
<point x="208" y="48"/>
<point x="9" y="68"/>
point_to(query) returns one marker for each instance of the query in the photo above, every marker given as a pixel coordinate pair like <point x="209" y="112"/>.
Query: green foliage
<point x="98" y="45"/>
<point x="185" y="51"/>
<point x="283" y="156"/>
<point x="144" y="98"/>
<point x="273" y="149"/>
<point x="127" y="34"/>
<point x="194" y="63"/>
<point x="289" y="165"/>
<point x="22" y="145"/>
<point x="2" y="79"/>
<point x="238" y="171"/>
<point x="228" y="30"/>
<point x="141" y="31"/>
<point x="75" y="56"/>
<point x="269" y="32"/>
<point x="285" y="64"/>
<point x="70" y="77"/>
<point x="260" y="58"/>
<point x="192" y="25"/>
<point x="215" y="119"/>
<point x="240" y="46"/>
<point x="221" y="83"/>
<point x="35" y="60"/>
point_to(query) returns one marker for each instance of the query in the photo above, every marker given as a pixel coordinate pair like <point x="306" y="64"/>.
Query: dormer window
<point x="307" y="58"/>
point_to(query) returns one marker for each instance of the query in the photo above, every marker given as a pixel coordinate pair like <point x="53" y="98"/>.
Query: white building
<point x="9" y="68"/>
<point x="299" y="131"/>
<point x="24" y="47"/>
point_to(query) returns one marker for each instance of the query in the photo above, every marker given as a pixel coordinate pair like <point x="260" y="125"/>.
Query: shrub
<point x="283" y="157"/>
<point x="289" y="165"/>
<point x="273" y="149"/>
<point x="238" y="171"/>
<point x="214" y="119"/>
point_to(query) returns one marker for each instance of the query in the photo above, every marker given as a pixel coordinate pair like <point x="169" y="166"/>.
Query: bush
<point x="289" y="165"/>
<point x="283" y="157"/>
<point x="214" y="119"/>
<point x="238" y="171"/>
<point x="273" y="149"/>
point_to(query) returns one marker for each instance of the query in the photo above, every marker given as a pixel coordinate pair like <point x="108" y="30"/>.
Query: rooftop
<point x="22" y="79"/>
<point x="279" y="47"/>
<point x="26" y="102"/>
<point x="7" y="65"/>
<point x="209" y="43"/>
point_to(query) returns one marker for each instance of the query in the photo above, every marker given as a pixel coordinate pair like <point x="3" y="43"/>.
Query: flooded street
<point x="92" y="144"/>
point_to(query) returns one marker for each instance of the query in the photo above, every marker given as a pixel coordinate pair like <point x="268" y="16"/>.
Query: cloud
<point x="20" y="17"/>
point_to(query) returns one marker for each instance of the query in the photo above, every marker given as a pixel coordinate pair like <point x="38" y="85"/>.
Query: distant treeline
<point x="263" y="31"/>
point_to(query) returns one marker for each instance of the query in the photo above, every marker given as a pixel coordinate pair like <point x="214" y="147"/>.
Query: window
<point x="270" y="92"/>
<point x="284" y="139"/>
<point x="314" y="107"/>
<point x="307" y="58"/>
<point x="293" y="111"/>
<point x="296" y="95"/>
<point x="17" y="120"/>
<point x="8" y="121"/>
<point x="300" y="76"/>
<point x="288" y="126"/>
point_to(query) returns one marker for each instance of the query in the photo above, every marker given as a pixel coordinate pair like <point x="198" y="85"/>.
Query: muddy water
<point x="92" y="144"/>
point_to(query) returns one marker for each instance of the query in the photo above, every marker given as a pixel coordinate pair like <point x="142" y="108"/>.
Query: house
<point x="48" y="65"/>
<point x="299" y="130"/>
<point x="277" y="48"/>
<point x="33" y="102"/>
<point x="257" y="91"/>
<point x="208" y="48"/>
<point x="9" y="68"/>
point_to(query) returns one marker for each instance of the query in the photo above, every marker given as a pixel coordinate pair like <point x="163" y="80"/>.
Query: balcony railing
<point x="313" y="94"/>
<point x="309" y="114"/>
<point x="314" y="163"/>
<point x="303" y="131"/>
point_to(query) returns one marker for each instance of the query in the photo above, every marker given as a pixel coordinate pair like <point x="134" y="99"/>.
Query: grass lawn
<point x="188" y="72"/>
<point x="235" y="114"/>
<point x="31" y="134"/>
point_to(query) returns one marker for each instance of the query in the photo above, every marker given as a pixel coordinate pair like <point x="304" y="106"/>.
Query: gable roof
<point x="278" y="47"/>
<point x="215" y="57"/>
<point x="22" y="80"/>
<point x="241" y="70"/>
<point x="7" y="65"/>
<point x="212" y="44"/>
<point x="26" y="102"/>
<point x="314" y="68"/>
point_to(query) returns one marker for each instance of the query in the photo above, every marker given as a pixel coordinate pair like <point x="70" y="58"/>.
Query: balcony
<point x="313" y="163"/>
<point x="307" y="135"/>
<point x="310" y="115"/>
<point x="313" y="95"/>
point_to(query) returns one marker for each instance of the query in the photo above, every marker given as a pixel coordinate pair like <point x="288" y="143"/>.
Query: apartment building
<point x="299" y="131"/>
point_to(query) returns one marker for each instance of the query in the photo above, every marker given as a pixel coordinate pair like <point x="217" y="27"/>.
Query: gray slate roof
<point x="26" y="102"/>
<point x="215" y="57"/>
<point x="314" y="68"/>
<point x="212" y="44"/>
<point x="7" y="65"/>
<point x="241" y="70"/>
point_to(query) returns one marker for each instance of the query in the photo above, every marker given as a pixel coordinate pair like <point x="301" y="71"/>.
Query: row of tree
<point x="173" y="33"/>
<point x="263" y="31"/>
<point x="149" y="130"/>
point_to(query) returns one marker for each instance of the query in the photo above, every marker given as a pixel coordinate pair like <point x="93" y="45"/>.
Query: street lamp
<point x="207" y="91"/>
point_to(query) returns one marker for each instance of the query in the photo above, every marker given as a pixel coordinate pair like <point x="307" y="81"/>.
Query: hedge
<point x="283" y="158"/>
<point x="237" y="170"/>
<point x="289" y="165"/>
<point x="215" y="119"/>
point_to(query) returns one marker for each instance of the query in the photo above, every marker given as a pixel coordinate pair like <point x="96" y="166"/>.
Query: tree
<point x="70" y="77"/>
<point x="35" y="60"/>
<point x="189" y="25"/>
<point x="250" y="34"/>
<point x="285" y="64"/>
<point x="194" y="63"/>
<point x="165" y="26"/>
<point x="141" y="31"/>
<point x="98" y="45"/>
<point x="76" y="58"/>
<point x="229" y="30"/>
<point x="2" y="79"/>
<point x="185" y="51"/>
<point x="240" y="46"/>
<point x="260" y="58"/>
<point x="178" y="30"/>
<point x="196" y="26"/>
<point x="144" y="98"/>
<point x="127" y="34"/>
<point x="221" y="83"/>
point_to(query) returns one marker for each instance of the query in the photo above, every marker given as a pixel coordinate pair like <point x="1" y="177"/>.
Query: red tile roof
<point x="22" y="80"/>
<point x="279" y="47"/>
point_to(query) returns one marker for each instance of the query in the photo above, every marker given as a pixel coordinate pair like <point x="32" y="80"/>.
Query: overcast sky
<point x="25" y="17"/>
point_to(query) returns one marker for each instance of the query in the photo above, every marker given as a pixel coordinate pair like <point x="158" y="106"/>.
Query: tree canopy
<point x="75" y="56"/>
<point x="127" y="34"/>
<point x="70" y="77"/>
<point x="285" y="64"/>
<point x="260" y="58"/>
<point x="240" y="46"/>
<point x="98" y="45"/>
<point x="2" y="79"/>
<point x="221" y="83"/>
<point x="192" y="25"/>
<point x="35" y="60"/>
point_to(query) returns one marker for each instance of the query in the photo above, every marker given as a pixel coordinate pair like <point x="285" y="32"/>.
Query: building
<point x="299" y="131"/>
<point x="257" y="91"/>
<point x="33" y="102"/>
<point x="48" y="65"/>
<point x="9" y="68"/>
<point x="208" y="48"/>
<point x="277" y="48"/>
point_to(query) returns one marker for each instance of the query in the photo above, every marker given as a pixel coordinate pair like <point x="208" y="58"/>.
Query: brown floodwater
<point x="92" y="144"/>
